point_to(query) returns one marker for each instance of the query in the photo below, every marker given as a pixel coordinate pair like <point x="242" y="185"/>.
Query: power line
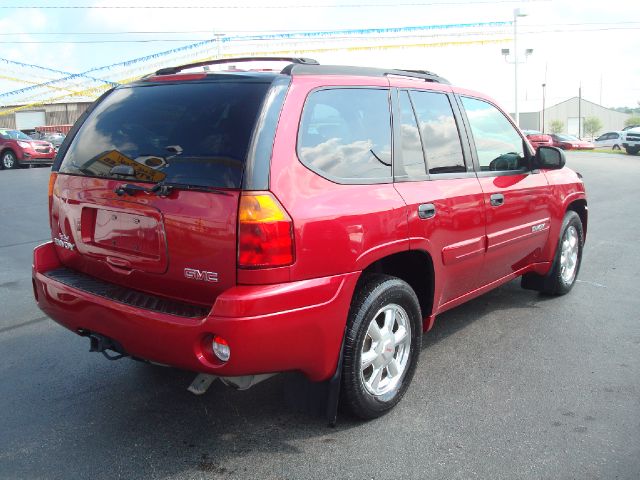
<point x="227" y="32"/>
<point x="257" y="7"/>
<point x="324" y="38"/>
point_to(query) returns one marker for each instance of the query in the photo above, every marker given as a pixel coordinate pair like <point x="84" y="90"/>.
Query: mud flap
<point x="333" y="391"/>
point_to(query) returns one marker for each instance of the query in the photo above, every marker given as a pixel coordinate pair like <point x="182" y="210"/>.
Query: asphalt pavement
<point x="510" y="385"/>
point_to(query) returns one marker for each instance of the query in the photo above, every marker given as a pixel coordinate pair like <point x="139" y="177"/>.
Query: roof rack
<point x="421" y="72"/>
<point x="296" y="60"/>
<point x="311" y="69"/>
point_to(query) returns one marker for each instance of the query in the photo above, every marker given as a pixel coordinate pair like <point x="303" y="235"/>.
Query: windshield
<point x="14" y="135"/>
<point x="187" y="133"/>
<point x="568" y="138"/>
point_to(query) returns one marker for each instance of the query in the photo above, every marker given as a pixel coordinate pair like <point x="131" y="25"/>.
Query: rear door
<point x="111" y="220"/>
<point x="444" y="198"/>
<point x="516" y="199"/>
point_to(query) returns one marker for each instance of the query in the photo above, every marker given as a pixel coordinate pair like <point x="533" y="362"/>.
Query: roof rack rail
<point x="297" y="60"/>
<point x="316" y="69"/>
<point x="421" y="72"/>
<point x="425" y="75"/>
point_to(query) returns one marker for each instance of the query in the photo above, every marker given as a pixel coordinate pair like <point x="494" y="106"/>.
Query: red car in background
<point x="569" y="142"/>
<point x="17" y="148"/>
<point x="538" y="139"/>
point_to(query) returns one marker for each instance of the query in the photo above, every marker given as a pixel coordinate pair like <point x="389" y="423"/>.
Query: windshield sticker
<point x="105" y="162"/>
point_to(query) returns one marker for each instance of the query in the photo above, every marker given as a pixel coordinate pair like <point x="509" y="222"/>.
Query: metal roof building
<point x="20" y="118"/>
<point x="568" y="113"/>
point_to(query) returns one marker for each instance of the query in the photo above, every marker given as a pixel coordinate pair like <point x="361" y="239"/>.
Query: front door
<point x="516" y="199"/>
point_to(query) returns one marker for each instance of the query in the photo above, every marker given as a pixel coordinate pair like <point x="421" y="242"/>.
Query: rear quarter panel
<point x="338" y="228"/>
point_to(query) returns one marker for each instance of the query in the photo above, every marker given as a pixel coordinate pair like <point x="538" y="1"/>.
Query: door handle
<point x="497" y="199"/>
<point x="427" y="210"/>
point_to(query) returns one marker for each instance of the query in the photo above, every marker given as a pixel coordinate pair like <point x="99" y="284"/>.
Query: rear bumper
<point x="269" y="328"/>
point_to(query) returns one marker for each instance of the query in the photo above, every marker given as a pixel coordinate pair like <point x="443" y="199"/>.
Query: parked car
<point x="18" y="149"/>
<point x="316" y="219"/>
<point x="631" y="140"/>
<point x="54" y="139"/>
<point x="537" y="138"/>
<point x="569" y="142"/>
<point x="611" y="140"/>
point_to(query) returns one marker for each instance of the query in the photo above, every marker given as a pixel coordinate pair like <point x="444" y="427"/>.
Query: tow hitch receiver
<point x="100" y="343"/>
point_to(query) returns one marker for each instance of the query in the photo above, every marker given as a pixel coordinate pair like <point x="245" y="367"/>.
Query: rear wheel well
<point x="415" y="268"/>
<point x="580" y="207"/>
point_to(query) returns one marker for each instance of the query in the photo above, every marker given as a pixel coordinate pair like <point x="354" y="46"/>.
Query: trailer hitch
<point x="102" y="344"/>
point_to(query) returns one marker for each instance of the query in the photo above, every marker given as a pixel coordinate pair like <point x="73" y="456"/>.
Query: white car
<point x="611" y="140"/>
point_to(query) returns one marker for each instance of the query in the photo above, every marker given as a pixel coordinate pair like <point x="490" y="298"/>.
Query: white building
<point x="568" y="112"/>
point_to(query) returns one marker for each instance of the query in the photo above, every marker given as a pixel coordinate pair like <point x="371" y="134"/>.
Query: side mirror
<point x="549" y="158"/>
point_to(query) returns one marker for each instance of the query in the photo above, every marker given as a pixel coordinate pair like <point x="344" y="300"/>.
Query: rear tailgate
<point x="110" y="220"/>
<point x="182" y="246"/>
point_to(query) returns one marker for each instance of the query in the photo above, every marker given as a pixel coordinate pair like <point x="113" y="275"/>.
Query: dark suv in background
<point x="317" y="218"/>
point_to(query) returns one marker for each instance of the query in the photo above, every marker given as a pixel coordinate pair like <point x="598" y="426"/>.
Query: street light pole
<point x="516" y="13"/>
<point x="543" y="98"/>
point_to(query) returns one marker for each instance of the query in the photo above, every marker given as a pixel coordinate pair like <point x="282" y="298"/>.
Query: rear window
<point x="189" y="133"/>
<point x="345" y="135"/>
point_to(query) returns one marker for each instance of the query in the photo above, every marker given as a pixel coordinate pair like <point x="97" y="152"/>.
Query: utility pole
<point x="543" y="99"/>
<point x="601" y="88"/>
<point x="580" y="111"/>
<point x="544" y="84"/>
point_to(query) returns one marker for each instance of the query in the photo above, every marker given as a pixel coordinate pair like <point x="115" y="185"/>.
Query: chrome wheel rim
<point x="569" y="254"/>
<point x="385" y="350"/>
<point x="8" y="160"/>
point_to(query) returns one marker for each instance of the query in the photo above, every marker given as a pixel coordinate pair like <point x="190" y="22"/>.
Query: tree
<point x="632" y="121"/>
<point x="591" y="126"/>
<point x="557" y="126"/>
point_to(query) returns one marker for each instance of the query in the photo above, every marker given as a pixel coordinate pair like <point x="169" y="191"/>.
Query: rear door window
<point x="345" y="135"/>
<point x="439" y="132"/>
<point x="186" y="133"/>
<point x="411" y="163"/>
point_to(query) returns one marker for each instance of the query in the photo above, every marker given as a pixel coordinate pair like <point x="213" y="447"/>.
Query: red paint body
<point x="291" y="317"/>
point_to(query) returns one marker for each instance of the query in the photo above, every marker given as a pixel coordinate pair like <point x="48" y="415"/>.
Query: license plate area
<point x="137" y="238"/>
<point x="125" y="232"/>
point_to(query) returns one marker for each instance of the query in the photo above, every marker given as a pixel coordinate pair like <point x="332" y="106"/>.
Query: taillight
<point x="265" y="232"/>
<point x="52" y="181"/>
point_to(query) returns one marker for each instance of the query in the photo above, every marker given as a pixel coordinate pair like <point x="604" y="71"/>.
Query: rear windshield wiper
<point x="160" y="189"/>
<point x="163" y="189"/>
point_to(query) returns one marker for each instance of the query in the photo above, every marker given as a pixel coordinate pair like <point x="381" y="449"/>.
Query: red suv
<point x="17" y="148"/>
<point x="244" y="223"/>
<point x="538" y="139"/>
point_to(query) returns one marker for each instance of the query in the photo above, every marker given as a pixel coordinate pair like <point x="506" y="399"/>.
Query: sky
<point x="575" y="43"/>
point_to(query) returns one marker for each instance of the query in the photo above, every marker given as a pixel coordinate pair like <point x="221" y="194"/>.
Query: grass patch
<point x="607" y="150"/>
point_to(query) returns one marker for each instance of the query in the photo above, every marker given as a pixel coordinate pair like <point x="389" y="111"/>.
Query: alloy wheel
<point x="385" y="350"/>
<point x="569" y="254"/>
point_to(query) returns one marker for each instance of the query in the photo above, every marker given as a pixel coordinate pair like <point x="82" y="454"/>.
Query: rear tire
<point x="9" y="160"/>
<point x="632" y="150"/>
<point x="615" y="147"/>
<point x="382" y="345"/>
